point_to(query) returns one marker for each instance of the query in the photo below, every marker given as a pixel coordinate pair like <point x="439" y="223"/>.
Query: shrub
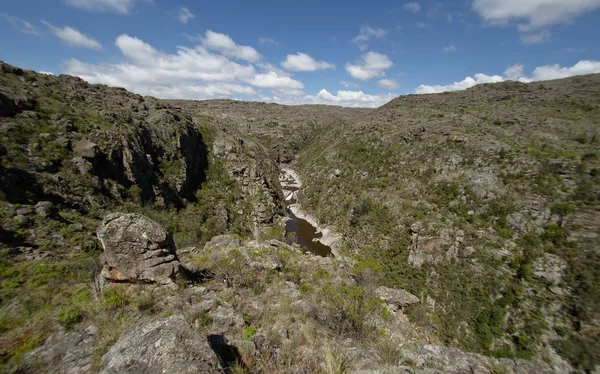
<point x="114" y="298"/>
<point x="337" y="361"/>
<point x="70" y="316"/>
<point x="145" y="302"/>
<point x="248" y="332"/>
<point x="389" y="352"/>
<point x="555" y="234"/>
<point x="346" y="308"/>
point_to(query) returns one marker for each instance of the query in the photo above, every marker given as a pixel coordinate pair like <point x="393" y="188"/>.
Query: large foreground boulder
<point x="136" y="250"/>
<point x="161" y="346"/>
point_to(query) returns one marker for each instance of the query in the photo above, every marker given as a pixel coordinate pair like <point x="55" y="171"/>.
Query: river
<point x="300" y="230"/>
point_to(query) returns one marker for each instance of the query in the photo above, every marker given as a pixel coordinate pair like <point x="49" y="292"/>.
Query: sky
<point x="349" y="53"/>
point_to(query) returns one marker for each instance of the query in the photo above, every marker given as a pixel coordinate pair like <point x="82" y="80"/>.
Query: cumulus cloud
<point x="449" y="48"/>
<point x="516" y="72"/>
<point x="371" y="65"/>
<point x="349" y="84"/>
<point x="190" y="73"/>
<point x="21" y="25"/>
<point x="462" y="85"/>
<point x="274" y="80"/>
<point x="118" y="6"/>
<point x="303" y="62"/>
<point x="390" y="84"/>
<point x="185" y="15"/>
<point x="548" y="72"/>
<point x="343" y="98"/>
<point x="366" y="34"/>
<point x="533" y="15"/>
<point x="72" y="37"/>
<point x="413" y="7"/>
<point x="225" y="45"/>
<point x="45" y="72"/>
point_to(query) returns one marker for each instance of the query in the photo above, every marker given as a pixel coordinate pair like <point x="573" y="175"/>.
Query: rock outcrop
<point x="396" y="297"/>
<point x="136" y="250"/>
<point x="161" y="346"/>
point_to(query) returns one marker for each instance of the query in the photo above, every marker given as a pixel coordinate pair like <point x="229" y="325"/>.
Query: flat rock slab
<point x="161" y="346"/>
<point x="396" y="296"/>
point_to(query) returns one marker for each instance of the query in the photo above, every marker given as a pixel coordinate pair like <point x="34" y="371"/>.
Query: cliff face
<point x="83" y="142"/>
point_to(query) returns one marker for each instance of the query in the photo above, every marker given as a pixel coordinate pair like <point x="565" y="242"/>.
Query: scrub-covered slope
<point x="485" y="203"/>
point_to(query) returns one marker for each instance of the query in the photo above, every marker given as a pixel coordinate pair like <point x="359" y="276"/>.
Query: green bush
<point x="555" y="234"/>
<point x="70" y="316"/>
<point x="114" y="298"/>
<point x="346" y="308"/>
<point x="248" y="332"/>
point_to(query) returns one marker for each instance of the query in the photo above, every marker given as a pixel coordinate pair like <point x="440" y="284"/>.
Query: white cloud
<point x="274" y="80"/>
<point x="549" y="72"/>
<point x="190" y="73"/>
<point x="515" y="72"/>
<point x="21" y="25"/>
<point x="199" y="73"/>
<point x="413" y="7"/>
<point x="366" y="34"/>
<point x="390" y="84"/>
<point x="422" y="25"/>
<point x="185" y="15"/>
<point x="225" y="45"/>
<point x="352" y="98"/>
<point x="349" y="84"/>
<point x="449" y="48"/>
<point x="535" y="13"/>
<point x="118" y="6"/>
<point x="342" y="98"/>
<point x="72" y="37"/>
<point x="371" y="65"/>
<point x="266" y="41"/>
<point x="45" y="72"/>
<point x="536" y="38"/>
<point x="303" y="62"/>
<point x="457" y="86"/>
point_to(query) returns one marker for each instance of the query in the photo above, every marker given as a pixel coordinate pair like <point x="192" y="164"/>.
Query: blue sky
<point x="351" y="53"/>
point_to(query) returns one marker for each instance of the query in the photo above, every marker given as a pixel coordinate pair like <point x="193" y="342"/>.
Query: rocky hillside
<point x="485" y="203"/>
<point x="146" y="235"/>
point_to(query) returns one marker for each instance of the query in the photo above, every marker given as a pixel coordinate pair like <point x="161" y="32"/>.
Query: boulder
<point x="46" y="209"/>
<point x="86" y="149"/>
<point x="161" y="346"/>
<point x="396" y="296"/>
<point x="226" y="242"/>
<point x="136" y="249"/>
<point x="63" y="352"/>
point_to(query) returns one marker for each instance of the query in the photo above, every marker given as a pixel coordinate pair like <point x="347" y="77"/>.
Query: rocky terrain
<point x="146" y="235"/>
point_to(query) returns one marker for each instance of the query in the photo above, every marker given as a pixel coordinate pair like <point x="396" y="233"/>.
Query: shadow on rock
<point x="228" y="355"/>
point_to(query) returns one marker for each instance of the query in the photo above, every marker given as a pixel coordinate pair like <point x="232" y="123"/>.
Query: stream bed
<point x="299" y="230"/>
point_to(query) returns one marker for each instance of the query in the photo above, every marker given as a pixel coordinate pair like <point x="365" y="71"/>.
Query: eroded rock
<point x="161" y="346"/>
<point x="396" y="296"/>
<point x="136" y="249"/>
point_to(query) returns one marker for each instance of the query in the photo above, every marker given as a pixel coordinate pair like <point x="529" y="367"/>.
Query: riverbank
<point x="291" y="183"/>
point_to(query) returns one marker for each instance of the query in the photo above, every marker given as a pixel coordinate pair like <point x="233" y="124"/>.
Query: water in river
<point x="299" y="230"/>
